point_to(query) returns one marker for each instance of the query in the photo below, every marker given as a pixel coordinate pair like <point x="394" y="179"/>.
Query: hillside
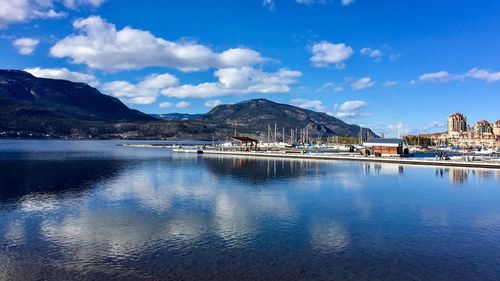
<point x="255" y="116"/>
<point x="57" y="98"/>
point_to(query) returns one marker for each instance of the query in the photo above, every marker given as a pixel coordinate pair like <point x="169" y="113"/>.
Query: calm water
<point x="96" y="211"/>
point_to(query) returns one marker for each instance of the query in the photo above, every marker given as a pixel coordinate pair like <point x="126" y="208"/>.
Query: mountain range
<point x="32" y="106"/>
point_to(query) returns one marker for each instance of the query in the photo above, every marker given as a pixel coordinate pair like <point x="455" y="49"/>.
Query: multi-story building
<point x="496" y="128"/>
<point x="457" y="123"/>
<point x="482" y="133"/>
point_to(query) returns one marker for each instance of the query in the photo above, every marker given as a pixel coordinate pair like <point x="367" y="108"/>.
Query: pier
<point x="491" y="164"/>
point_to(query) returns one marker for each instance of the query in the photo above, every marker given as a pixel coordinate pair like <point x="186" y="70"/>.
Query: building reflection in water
<point x="383" y="169"/>
<point x="460" y="176"/>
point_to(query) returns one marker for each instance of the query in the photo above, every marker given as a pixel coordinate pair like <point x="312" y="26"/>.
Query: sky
<point x="380" y="64"/>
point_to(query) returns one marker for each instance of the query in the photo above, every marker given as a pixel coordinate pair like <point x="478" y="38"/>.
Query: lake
<point x="92" y="210"/>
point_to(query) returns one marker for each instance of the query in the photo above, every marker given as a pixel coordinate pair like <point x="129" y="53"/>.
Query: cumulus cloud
<point x="326" y="53"/>
<point x="362" y="84"/>
<point x="99" y="44"/>
<point x="212" y="103"/>
<point x="144" y="92"/>
<point x="65" y="74"/>
<point x="375" y="54"/>
<point x="484" y="74"/>
<point x="350" y="109"/>
<point x="15" y="11"/>
<point x="237" y="81"/>
<point x="25" y="46"/>
<point x="315" y="105"/>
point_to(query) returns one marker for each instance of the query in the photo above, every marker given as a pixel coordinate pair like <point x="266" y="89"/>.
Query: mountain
<point x="256" y="116"/>
<point x="31" y="106"/>
<point x="61" y="98"/>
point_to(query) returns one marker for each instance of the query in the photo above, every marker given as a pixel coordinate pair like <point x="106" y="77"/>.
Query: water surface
<point x="91" y="210"/>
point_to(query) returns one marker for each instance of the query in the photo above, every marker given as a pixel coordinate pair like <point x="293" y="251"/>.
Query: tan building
<point x="457" y="123"/>
<point x="481" y="134"/>
<point x="496" y="128"/>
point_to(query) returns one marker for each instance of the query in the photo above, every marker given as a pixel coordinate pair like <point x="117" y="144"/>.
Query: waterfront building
<point x="385" y="147"/>
<point x="496" y="128"/>
<point x="457" y="124"/>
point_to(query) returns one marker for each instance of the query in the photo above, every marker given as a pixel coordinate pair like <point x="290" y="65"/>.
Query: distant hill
<point x="60" y="108"/>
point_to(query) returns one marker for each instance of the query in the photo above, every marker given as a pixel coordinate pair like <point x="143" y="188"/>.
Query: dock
<point x="352" y="157"/>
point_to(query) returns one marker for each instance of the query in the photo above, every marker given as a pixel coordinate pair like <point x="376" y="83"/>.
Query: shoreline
<point x="400" y="160"/>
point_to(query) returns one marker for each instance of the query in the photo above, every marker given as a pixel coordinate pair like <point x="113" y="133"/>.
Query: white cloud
<point x="444" y="76"/>
<point x="25" y="46"/>
<point x="182" y="104"/>
<point x="362" y="83"/>
<point x="65" y="74"/>
<point x="484" y="74"/>
<point x="144" y="92"/>
<point x="237" y="81"/>
<point x="326" y="53"/>
<point x="212" y="103"/>
<point x="159" y="81"/>
<point x="75" y="4"/>
<point x="390" y="83"/>
<point x="346" y="2"/>
<point x="269" y="4"/>
<point x="352" y="105"/>
<point x="329" y="86"/>
<point x="15" y="11"/>
<point x="437" y="77"/>
<point x="166" y="105"/>
<point x="350" y="109"/>
<point x="100" y="45"/>
<point x="309" y="2"/>
<point x="375" y="54"/>
<point x="315" y="105"/>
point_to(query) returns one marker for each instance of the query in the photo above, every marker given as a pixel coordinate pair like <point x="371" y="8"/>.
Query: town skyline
<point x="378" y="65"/>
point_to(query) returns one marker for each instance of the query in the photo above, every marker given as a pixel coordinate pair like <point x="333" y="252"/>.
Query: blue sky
<point x="374" y="63"/>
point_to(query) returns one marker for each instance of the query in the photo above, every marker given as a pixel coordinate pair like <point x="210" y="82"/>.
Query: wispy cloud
<point x="362" y="84"/>
<point x="375" y="54"/>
